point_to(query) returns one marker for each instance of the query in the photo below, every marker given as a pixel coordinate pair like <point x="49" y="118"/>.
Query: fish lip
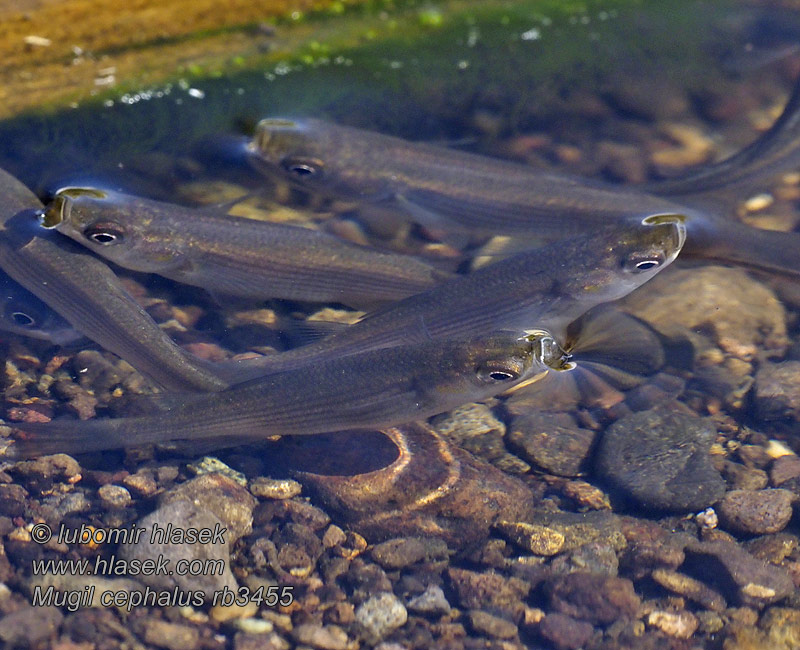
<point x="674" y="219"/>
<point x="56" y="213"/>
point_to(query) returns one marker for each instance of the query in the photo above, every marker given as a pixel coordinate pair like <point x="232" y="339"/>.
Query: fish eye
<point x="104" y="234"/>
<point x="642" y="263"/>
<point x="303" y="167"/>
<point x="19" y="313"/>
<point x="498" y="371"/>
<point x="22" y="319"/>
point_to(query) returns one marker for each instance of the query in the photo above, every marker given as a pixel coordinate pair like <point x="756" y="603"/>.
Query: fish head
<point x="317" y="156"/>
<point x="23" y="313"/>
<point x="116" y="226"/>
<point x="613" y="261"/>
<point x="503" y="359"/>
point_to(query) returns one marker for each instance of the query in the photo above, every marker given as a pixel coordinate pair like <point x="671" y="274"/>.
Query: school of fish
<point x="431" y="339"/>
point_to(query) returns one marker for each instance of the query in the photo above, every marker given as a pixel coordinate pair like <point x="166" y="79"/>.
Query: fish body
<point x="370" y="390"/>
<point x="460" y="190"/>
<point x="470" y="193"/>
<point x="545" y="288"/>
<point x="85" y="291"/>
<point x="234" y="255"/>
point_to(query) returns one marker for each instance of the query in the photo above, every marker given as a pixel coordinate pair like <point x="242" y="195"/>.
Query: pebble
<point x="777" y="393"/>
<point x="212" y="465"/>
<point x="477" y="429"/>
<point x="740" y="477"/>
<point x="171" y="636"/>
<point x="404" y="551"/>
<point x="494" y="626"/>
<point x="379" y="616"/>
<point x="594" y="598"/>
<point x="680" y="625"/>
<point x="220" y="495"/>
<point x="552" y="441"/>
<point x="29" y="626"/>
<point x="324" y="637"/>
<point x="785" y="469"/>
<point x="539" y="540"/>
<point x="592" y="557"/>
<point x="726" y="565"/>
<point x="432" y="602"/>
<point x="141" y="483"/>
<point x="660" y="459"/>
<point x="234" y="612"/>
<point x="40" y="474"/>
<point x="182" y="514"/>
<point x="490" y="591"/>
<point x="114" y="496"/>
<point x="579" y="528"/>
<point x="564" y="632"/>
<point x="692" y="589"/>
<point x="756" y="512"/>
<point x="268" y="488"/>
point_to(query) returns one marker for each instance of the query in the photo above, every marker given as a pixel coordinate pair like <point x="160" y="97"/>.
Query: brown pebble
<point x="565" y="632"/>
<point x="490" y="625"/>
<point x="680" y="625"/>
<point x="171" y="636"/>
<point x="539" y="540"/>
<point x="594" y="598"/>
<point x="691" y="588"/>
<point x="756" y="512"/>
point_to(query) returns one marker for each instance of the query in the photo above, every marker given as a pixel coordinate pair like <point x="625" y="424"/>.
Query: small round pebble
<point x="756" y="512"/>
<point x="489" y="625"/>
<point x="114" y="496"/>
<point x="432" y="601"/>
<point x="539" y="540"/>
<point x="680" y="625"/>
<point x="279" y="489"/>
<point x="378" y="616"/>
<point x="323" y="637"/>
<point x="565" y="632"/>
<point x="171" y="636"/>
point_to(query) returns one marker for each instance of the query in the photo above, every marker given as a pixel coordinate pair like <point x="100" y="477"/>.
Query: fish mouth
<point x="55" y="213"/>
<point x="266" y="127"/>
<point x="678" y="232"/>
<point x="60" y="207"/>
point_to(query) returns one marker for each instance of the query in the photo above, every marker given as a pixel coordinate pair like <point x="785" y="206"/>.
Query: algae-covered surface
<point x="661" y="517"/>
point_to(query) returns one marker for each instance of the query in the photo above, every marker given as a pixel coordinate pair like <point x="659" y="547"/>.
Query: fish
<point x="233" y="255"/>
<point x="87" y="293"/>
<point x="545" y="288"/>
<point x="463" y="192"/>
<point x="365" y="391"/>
<point x="24" y="314"/>
<point x="441" y="187"/>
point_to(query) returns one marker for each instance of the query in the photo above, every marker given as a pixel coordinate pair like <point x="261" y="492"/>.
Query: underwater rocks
<point x="430" y="490"/>
<point x="552" y="441"/>
<point x="660" y="459"/>
<point x="777" y="393"/>
<point x="756" y="512"/>
<point x="182" y="515"/>
<point x="752" y="582"/>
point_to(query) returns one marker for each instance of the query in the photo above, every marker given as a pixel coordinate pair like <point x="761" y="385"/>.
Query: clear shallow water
<point x="578" y="92"/>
